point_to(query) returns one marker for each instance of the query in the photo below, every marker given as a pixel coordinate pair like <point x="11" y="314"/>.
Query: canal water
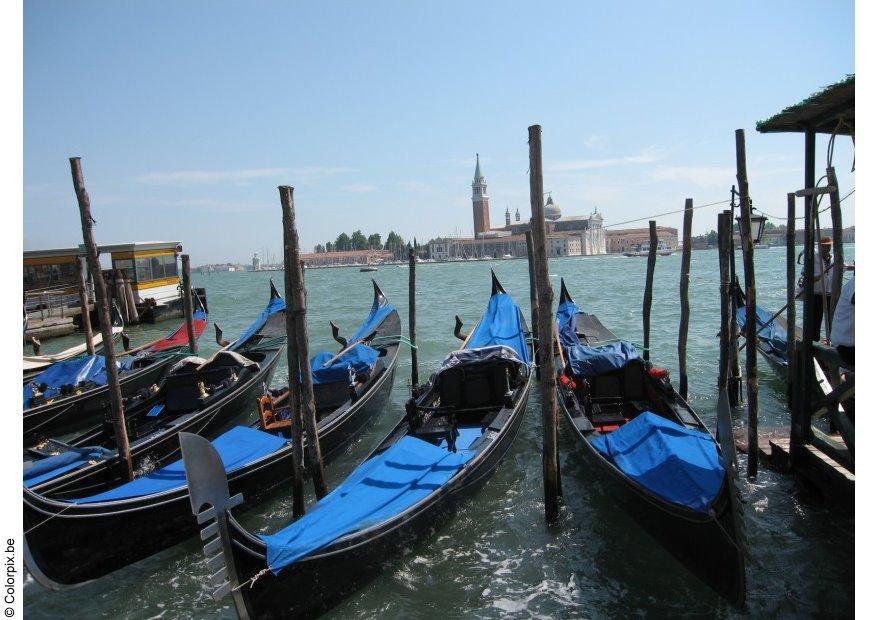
<point x="497" y="558"/>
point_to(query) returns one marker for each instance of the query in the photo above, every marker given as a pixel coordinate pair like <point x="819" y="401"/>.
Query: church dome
<point x="551" y="211"/>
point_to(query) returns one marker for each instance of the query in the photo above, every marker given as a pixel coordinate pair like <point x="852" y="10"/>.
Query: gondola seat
<point x="186" y="388"/>
<point x="476" y="385"/>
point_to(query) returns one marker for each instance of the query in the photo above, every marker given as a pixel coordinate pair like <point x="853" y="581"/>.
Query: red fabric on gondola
<point x="180" y="336"/>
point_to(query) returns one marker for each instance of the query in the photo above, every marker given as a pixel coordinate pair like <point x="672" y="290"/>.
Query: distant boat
<point x="644" y="250"/>
<point x="368" y="269"/>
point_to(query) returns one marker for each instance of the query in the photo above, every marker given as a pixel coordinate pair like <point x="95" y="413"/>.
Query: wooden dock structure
<point x="821" y="384"/>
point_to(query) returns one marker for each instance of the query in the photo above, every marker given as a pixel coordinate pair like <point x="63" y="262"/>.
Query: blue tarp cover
<point x="773" y="337"/>
<point x="53" y="466"/>
<point x="377" y="490"/>
<point x="91" y="368"/>
<point x="501" y="324"/>
<point x="361" y="357"/>
<point x="566" y="321"/>
<point x="379" y="312"/>
<point x="679" y="464"/>
<point x="237" y="447"/>
<point x="276" y="304"/>
<point x="592" y="361"/>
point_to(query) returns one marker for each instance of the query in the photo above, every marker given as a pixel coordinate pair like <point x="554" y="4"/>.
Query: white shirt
<point x="842" y="333"/>
<point x="825" y="283"/>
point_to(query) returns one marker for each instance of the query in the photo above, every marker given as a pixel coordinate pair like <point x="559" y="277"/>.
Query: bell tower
<point x="480" y="201"/>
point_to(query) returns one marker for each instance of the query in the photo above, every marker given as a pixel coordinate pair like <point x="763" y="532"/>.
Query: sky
<point x="188" y="115"/>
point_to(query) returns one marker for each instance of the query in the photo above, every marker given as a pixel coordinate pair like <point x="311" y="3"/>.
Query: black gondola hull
<point x="162" y="446"/>
<point x="76" y="413"/>
<point x="320" y="581"/>
<point x="707" y="546"/>
<point x="74" y="550"/>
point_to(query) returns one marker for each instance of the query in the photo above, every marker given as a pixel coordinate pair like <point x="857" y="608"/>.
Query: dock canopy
<point x="829" y="111"/>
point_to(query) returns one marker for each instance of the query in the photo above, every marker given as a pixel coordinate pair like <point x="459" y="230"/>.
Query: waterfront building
<point x="630" y="239"/>
<point x="256" y="262"/>
<point x="350" y="257"/>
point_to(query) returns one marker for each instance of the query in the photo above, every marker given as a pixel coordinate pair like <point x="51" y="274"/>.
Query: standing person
<point x="842" y="333"/>
<point x="822" y="284"/>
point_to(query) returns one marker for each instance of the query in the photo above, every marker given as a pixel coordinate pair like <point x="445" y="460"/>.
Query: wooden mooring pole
<point x="102" y="302"/>
<point x="296" y="306"/>
<point x="83" y="303"/>
<point x="723" y="249"/>
<point x="734" y="385"/>
<point x="187" y="307"/>
<point x="648" y="288"/>
<point x="684" y="329"/>
<point x="550" y="420"/>
<point x="533" y="290"/>
<point x="411" y="319"/>
<point x="791" y="300"/>
<point x="750" y="324"/>
<point x="838" y="248"/>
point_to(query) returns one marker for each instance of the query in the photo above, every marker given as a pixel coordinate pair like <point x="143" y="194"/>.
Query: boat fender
<point x="658" y="373"/>
<point x="567" y="382"/>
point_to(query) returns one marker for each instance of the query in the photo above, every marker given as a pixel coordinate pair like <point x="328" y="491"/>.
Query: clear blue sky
<point x="188" y="114"/>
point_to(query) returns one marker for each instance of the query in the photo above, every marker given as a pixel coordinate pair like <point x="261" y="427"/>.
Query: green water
<point x="497" y="558"/>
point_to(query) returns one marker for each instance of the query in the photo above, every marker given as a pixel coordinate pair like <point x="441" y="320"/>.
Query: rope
<point x="41" y="523"/>
<point x="802" y="217"/>
<point x="650" y="217"/>
<point x="251" y="581"/>
<point x="268" y="344"/>
<point x="393" y="339"/>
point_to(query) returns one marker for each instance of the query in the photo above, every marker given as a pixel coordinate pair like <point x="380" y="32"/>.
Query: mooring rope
<point x="650" y="217"/>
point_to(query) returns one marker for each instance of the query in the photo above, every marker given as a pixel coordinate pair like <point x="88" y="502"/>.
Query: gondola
<point x="196" y="395"/>
<point x="771" y="336"/>
<point x="71" y="395"/>
<point x="68" y="543"/>
<point x="452" y="438"/>
<point x="650" y="451"/>
<point x="35" y="364"/>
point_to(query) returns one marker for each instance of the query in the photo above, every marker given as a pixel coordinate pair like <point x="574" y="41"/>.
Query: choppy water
<point x="497" y="558"/>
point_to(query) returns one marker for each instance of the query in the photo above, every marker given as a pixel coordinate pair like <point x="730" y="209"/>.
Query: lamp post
<point x="757" y="225"/>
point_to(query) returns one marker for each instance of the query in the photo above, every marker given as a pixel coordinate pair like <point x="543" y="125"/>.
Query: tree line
<point x="358" y="241"/>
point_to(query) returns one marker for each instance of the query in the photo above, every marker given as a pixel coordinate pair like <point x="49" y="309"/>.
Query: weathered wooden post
<point x="685" y="297"/>
<point x="296" y="305"/>
<point x="723" y="249"/>
<point x="83" y="303"/>
<point x="533" y="290"/>
<point x="102" y="302"/>
<point x="549" y="416"/>
<point x="120" y="297"/>
<point x="187" y="307"/>
<point x="648" y="288"/>
<point x="294" y="388"/>
<point x="734" y="385"/>
<point x="750" y="323"/>
<point x="791" y="300"/>
<point x="132" y="303"/>
<point x="411" y="318"/>
<point x="838" y="250"/>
